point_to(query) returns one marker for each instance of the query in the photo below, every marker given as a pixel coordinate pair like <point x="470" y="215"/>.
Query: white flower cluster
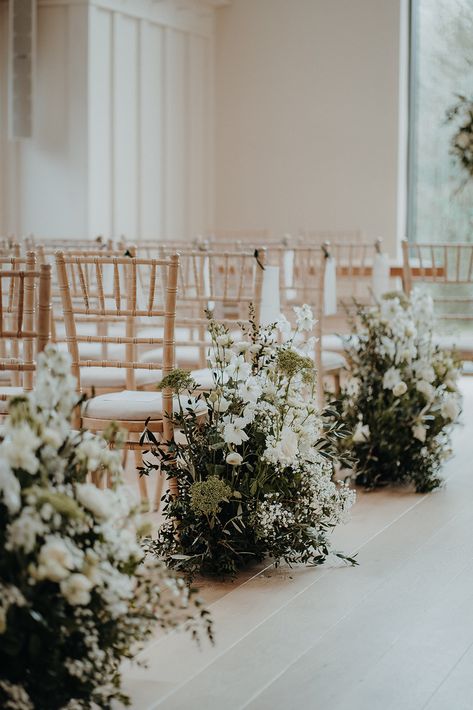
<point x="74" y="540"/>
<point x="403" y="336"/>
<point x="267" y="388"/>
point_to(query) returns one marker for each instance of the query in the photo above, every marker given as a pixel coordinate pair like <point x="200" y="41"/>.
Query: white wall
<point x="307" y="95"/>
<point x="123" y="117"/>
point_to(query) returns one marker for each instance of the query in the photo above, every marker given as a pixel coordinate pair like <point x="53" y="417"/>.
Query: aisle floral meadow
<point x="77" y="592"/>
<point x="402" y="397"/>
<point x="254" y="474"/>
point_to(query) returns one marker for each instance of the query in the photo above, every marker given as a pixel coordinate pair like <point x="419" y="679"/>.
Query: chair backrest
<point x="25" y="305"/>
<point x="128" y="307"/>
<point x="68" y="243"/>
<point x="446" y="271"/>
<point x="334" y="236"/>
<point x="223" y="283"/>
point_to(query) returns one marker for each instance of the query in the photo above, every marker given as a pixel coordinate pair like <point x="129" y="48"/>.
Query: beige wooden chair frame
<point x="444" y="265"/>
<point x="126" y="309"/>
<point x="24" y="317"/>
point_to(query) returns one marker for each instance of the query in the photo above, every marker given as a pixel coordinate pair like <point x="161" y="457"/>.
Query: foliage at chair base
<point x="255" y="475"/>
<point x="402" y="397"/>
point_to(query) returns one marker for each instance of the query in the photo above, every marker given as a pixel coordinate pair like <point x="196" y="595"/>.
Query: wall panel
<point x="151" y="131"/>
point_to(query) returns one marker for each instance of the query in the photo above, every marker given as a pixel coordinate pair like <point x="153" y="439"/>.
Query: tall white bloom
<point x="450" y="407"/>
<point x="250" y="390"/>
<point x="238" y="369"/>
<point x="304" y="317"/>
<point x="234" y="431"/>
<point x="99" y="502"/>
<point x="76" y="589"/>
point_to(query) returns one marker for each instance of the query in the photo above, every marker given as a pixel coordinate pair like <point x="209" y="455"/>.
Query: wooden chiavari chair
<point x="445" y="270"/>
<point x="223" y="283"/>
<point x="303" y="281"/>
<point x="25" y="305"/>
<point x="129" y="408"/>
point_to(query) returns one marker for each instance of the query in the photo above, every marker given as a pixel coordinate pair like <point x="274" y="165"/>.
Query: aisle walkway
<point x="395" y="633"/>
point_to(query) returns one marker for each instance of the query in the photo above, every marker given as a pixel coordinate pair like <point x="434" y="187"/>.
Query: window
<point x="440" y="202"/>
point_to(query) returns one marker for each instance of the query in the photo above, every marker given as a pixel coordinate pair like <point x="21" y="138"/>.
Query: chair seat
<point x="332" y="361"/>
<point x="115" y="377"/>
<point x="6" y="392"/>
<point x="187" y="356"/>
<point x="333" y="342"/>
<point x="134" y="405"/>
<point x="204" y="378"/>
<point x="462" y="342"/>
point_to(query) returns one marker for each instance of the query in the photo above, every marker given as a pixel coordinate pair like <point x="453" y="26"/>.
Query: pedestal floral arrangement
<point x="402" y="397"/>
<point x="77" y="592"/>
<point x="255" y="474"/>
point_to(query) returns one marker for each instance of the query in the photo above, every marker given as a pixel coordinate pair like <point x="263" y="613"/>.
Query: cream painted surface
<point x="122" y="107"/>
<point x="307" y="97"/>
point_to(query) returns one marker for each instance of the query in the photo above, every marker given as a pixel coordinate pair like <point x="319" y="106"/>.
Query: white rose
<point x="399" y="389"/>
<point x="419" y="432"/>
<point x="55" y="561"/>
<point x="76" y="589"/>
<point x="234" y="459"/>
<point x="95" y="500"/>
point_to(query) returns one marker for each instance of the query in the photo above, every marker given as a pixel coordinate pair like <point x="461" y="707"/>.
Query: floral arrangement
<point x="255" y="473"/>
<point x="401" y="399"/>
<point x="462" y="140"/>
<point x="77" y="592"/>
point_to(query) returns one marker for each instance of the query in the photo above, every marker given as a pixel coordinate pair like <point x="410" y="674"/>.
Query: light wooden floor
<point x="395" y="633"/>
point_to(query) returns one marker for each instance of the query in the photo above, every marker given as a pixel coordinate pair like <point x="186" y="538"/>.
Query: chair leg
<point x="158" y="492"/>
<point x="141" y="479"/>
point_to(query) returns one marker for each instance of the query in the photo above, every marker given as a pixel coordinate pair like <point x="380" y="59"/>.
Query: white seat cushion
<point x="337" y="343"/>
<point x="187" y="356"/>
<point x="8" y="392"/>
<point x="204" y="378"/>
<point x="332" y="361"/>
<point x="462" y="342"/>
<point x="116" y="377"/>
<point x="135" y="405"/>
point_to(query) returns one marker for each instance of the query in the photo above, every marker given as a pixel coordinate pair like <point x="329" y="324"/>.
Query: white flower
<point x="55" y="560"/>
<point x="234" y="459"/>
<point x="220" y="404"/>
<point x="426" y="389"/>
<point x="10" y="490"/>
<point x="391" y="378"/>
<point x="242" y="346"/>
<point x="427" y="373"/>
<point x="361" y="433"/>
<point x="233" y="431"/>
<point x="22" y="532"/>
<point x="304" y="317"/>
<point x="250" y="390"/>
<point x="450" y="408"/>
<point x="419" y="432"/>
<point x="224" y="340"/>
<point x="97" y="501"/>
<point x="352" y="387"/>
<point x="283" y="325"/>
<point x="238" y="369"/>
<point x="19" y="448"/>
<point x="90" y="452"/>
<point x="388" y="347"/>
<point x="288" y="443"/>
<point x="399" y="389"/>
<point x="76" y="589"/>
